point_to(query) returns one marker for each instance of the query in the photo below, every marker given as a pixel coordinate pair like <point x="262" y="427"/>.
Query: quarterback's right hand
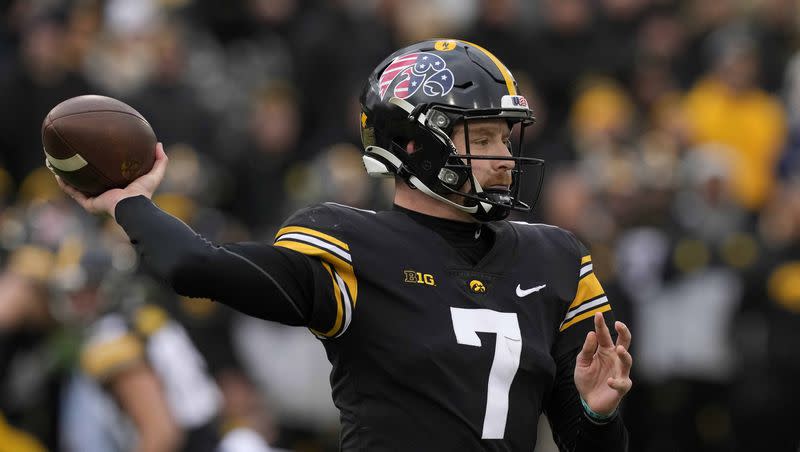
<point x="106" y="202"/>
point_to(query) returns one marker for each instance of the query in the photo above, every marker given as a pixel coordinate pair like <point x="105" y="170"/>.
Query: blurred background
<point x="671" y="131"/>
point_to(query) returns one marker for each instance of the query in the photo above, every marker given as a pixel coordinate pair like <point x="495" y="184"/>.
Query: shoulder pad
<point x="110" y="348"/>
<point x="149" y="319"/>
<point x="320" y="232"/>
<point x="555" y="235"/>
<point x="317" y="231"/>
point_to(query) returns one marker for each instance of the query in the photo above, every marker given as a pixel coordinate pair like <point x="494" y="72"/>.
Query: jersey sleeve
<point x="318" y="232"/>
<point x="589" y="299"/>
<point x="110" y="348"/>
<point x="256" y="278"/>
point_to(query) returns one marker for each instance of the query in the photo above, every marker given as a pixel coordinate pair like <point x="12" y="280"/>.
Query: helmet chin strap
<point x="416" y="183"/>
<point x="479" y="190"/>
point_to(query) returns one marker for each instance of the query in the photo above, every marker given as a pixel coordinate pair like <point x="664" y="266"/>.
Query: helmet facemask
<point x="438" y="169"/>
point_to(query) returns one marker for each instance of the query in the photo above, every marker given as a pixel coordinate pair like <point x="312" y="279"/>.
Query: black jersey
<point x="430" y="352"/>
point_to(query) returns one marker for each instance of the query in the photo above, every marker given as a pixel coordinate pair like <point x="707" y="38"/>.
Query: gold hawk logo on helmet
<point x="477" y="286"/>
<point x="412" y="71"/>
<point x="445" y="46"/>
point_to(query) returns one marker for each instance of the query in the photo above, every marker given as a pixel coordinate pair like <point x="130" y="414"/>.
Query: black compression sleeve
<point x="258" y="279"/>
<point x="573" y="431"/>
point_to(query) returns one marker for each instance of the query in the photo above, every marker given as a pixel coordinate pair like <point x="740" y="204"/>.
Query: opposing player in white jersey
<point x="141" y="384"/>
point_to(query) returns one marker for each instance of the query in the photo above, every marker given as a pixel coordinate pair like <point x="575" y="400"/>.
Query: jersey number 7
<point x="507" y="350"/>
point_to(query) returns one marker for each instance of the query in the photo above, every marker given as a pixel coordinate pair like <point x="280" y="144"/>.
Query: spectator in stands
<point x="728" y="108"/>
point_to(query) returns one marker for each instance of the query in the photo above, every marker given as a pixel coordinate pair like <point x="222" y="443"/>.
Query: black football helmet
<point x="420" y="93"/>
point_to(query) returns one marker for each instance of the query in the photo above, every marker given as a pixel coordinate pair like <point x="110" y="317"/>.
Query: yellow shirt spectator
<point x="751" y="124"/>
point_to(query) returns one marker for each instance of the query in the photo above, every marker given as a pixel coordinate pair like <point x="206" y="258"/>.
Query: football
<point x="96" y="143"/>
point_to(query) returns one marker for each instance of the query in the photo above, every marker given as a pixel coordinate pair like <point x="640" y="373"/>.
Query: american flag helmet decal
<point x="407" y="73"/>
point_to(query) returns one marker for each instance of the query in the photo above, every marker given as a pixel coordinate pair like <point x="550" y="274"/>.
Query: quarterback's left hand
<point x="602" y="369"/>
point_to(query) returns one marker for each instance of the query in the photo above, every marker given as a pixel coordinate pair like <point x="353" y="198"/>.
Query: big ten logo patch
<point x="415" y="277"/>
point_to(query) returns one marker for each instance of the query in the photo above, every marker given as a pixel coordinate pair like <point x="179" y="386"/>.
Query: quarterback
<point x="449" y="328"/>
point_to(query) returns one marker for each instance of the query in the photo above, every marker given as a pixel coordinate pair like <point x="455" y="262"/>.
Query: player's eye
<point x="481" y="141"/>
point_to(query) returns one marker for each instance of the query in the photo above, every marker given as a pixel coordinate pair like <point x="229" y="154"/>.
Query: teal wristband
<point x="594" y="416"/>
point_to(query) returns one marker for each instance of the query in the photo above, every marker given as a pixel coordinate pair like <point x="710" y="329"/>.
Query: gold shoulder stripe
<point x="512" y="89"/>
<point x="319" y="243"/>
<point x="591" y="304"/>
<point x="315" y="233"/>
<point x="343" y="268"/>
<point x="150" y="318"/>
<point x="585" y="315"/>
<point x="339" y="311"/>
<point x="586" y="259"/>
<point x="102" y="359"/>
<point x="588" y="288"/>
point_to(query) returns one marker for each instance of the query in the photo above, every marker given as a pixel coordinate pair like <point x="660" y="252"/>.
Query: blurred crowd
<point x="671" y="131"/>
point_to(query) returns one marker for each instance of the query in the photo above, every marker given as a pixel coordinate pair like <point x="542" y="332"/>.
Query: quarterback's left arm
<point x="593" y="373"/>
<point x="574" y="429"/>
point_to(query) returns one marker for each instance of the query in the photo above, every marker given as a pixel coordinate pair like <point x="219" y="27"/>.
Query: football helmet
<point x="420" y="93"/>
<point x="94" y="276"/>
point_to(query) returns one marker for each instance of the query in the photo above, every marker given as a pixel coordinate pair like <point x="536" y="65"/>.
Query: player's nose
<point x="504" y="164"/>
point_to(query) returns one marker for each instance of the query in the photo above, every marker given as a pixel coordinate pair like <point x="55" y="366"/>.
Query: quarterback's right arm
<point x="305" y="279"/>
<point x="281" y="283"/>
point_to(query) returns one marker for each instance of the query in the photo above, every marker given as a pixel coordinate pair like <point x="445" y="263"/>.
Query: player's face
<point x="487" y="137"/>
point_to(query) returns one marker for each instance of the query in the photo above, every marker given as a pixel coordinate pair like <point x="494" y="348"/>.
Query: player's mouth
<point x="498" y="193"/>
<point x="498" y="188"/>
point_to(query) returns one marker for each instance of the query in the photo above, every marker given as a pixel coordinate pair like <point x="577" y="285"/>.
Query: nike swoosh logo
<point x="524" y="293"/>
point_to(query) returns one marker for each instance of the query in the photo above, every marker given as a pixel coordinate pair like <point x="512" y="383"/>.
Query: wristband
<point x="597" y="417"/>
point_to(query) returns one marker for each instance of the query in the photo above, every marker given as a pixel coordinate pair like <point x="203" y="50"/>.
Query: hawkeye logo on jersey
<point x="477" y="286"/>
<point x="414" y="277"/>
<point x="408" y="73"/>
